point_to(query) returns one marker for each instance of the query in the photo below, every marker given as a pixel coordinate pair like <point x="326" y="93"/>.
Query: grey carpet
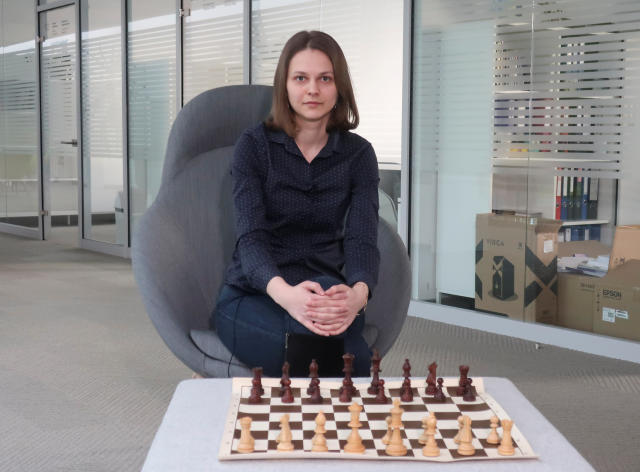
<point x="86" y="379"/>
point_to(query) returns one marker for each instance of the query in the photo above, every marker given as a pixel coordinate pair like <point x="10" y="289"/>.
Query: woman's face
<point x="311" y="86"/>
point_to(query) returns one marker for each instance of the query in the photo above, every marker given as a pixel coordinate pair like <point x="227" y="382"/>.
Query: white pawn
<point x="246" y="443"/>
<point x="319" y="442"/>
<point x="456" y="438"/>
<point x="423" y="437"/>
<point x="493" y="437"/>
<point x="285" y="438"/>
<point x="387" y="437"/>
<point x="431" y="449"/>
<point x="506" y="445"/>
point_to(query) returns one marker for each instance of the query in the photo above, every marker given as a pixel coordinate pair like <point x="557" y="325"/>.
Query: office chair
<point x="183" y="243"/>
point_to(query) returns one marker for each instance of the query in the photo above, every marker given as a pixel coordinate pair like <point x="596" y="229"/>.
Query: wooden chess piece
<point x="313" y="373"/>
<point x="375" y="367"/>
<point x="469" y="395"/>
<point x="396" y="446"/>
<point x="257" y="378"/>
<point x="319" y="442"/>
<point x="456" y="438"/>
<point x="423" y="437"/>
<point x="407" y="392"/>
<point x="347" y="382"/>
<point x="316" y="398"/>
<point x="287" y="395"/>
<point x="381" y="397"/>
<point x="246" y="443"/>
<point x="431" y="379"/>
<point x="464" y="371"/>
<point x="354" y="441"/>
<point x="285" y="375"/>
<point x="285" y="439"/>
<point x="466" y="437"/>
<point x="493" y="437"/>
<point x="431" y="448"/>
<point x="506" y="445"/>
<point x="387" y="437"/>
<point x="256" y="386"/>
<point x="439" y="395"/>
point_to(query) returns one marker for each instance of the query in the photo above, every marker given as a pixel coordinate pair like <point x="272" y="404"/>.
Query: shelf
<point x="584" y="222"/>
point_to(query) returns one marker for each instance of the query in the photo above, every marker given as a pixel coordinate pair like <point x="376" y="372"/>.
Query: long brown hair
<point x="345" y="114"/>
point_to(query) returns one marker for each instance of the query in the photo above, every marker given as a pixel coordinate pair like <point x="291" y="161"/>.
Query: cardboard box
<point x="588" y="248"/>
<point x="516" y="262"/>
<point x="576" y="292"/>
<point x="617" y="302"/>
<point x="626" y="245"/>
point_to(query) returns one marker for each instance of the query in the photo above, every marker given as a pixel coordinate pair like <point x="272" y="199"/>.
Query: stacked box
<point x="516" y="266"/>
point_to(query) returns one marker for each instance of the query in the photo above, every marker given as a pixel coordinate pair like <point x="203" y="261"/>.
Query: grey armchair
<point x="184" y="241"/>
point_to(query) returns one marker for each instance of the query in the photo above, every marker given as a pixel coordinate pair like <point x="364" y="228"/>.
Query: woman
<point x="305" y="191"/>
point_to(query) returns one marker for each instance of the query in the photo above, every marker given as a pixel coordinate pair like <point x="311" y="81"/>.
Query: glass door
<point x="59" y="131"/>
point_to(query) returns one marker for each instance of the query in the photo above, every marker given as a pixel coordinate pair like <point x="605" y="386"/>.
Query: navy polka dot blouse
<point x="300" y="220"/>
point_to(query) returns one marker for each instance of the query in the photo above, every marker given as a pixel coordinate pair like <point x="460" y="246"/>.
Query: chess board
<point x="265" y="425"/>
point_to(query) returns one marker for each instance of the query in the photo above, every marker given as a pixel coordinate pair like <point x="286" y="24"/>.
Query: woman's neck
<point x="311" y="138"/>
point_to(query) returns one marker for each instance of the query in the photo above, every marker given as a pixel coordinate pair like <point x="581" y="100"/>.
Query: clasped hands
<point x="324" y="312"/>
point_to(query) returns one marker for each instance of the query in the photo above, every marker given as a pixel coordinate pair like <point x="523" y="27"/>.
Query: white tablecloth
<point x="189" y="437"/>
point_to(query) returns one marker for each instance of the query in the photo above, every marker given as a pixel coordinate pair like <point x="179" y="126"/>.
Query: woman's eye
<point x="299" y="78"/>
<point x="326" y="78"/>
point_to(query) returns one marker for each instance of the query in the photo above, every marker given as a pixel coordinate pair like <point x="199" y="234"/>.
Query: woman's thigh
<point x="252" y="327"/>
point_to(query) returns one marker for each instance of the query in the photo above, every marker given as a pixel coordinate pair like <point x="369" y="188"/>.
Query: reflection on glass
<point x="59" y="130"/>
<point x="452" y="139"/>
<point x="102" y="167"/>
<point x="212" y="46"/>
<point x="528" y="111"/>
<point x="152" y="96"/>
<point x="18" y="125"/>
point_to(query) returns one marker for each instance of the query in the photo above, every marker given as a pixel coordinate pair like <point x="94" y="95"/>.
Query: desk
<point x="189" y="438"/>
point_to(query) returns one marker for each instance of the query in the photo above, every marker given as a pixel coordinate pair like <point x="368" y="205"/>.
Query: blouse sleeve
<point x="362" y="258"/>
<point x="253" y="237"/>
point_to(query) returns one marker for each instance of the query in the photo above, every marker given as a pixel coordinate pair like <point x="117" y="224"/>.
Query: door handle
<point x="73" y="142"/>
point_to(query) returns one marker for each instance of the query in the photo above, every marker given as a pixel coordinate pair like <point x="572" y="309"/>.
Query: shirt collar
<point x="290" y="145"/>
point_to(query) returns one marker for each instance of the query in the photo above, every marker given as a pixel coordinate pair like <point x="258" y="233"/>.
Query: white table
<point x="189" y="438"/>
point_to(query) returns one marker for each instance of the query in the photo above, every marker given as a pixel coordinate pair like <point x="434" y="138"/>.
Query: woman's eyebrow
<point x="301" y="72"/>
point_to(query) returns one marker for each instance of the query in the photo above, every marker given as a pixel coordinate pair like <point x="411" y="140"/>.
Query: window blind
<point x="569" y="104"/>
<point x="212" y="45"/>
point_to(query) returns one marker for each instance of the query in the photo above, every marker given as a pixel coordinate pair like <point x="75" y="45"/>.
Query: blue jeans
<point x="253" y="327"/>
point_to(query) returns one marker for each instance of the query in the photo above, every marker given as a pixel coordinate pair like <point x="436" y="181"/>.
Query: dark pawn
<point x="469" y="394"/>
<point x="439" y="395"/>
<point x="256" y="386"/>
<point x="406" y="369"/>
<point x="257" y="378"/>
<point x="347" y="383"/>
<point x="381" y="397"/>
<point x="287" y="396"/>
<point x="316" y="398"/>
<point x="407" y="393"/>
<point x="375" y="367"/>
<point x="285" y="376"/>
<point x="464" y="370"/>
<point x="313" y="373"/>
<point x="431" y="379"/>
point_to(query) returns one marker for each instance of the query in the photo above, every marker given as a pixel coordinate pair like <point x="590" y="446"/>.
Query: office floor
<point x="86" y="379"/>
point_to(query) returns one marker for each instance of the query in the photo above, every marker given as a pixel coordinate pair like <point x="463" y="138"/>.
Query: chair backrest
<point x="184" y="242"/>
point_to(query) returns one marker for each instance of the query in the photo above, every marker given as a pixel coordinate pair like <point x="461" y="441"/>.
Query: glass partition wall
<point x="19" y="167"/>
<point x="523" y="155"/>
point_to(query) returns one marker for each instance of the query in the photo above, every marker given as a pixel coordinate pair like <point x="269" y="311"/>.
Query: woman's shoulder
<point x="351" y="143"/>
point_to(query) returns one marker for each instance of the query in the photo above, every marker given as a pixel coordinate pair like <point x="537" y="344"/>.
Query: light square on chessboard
<point x="294" y="417"/>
